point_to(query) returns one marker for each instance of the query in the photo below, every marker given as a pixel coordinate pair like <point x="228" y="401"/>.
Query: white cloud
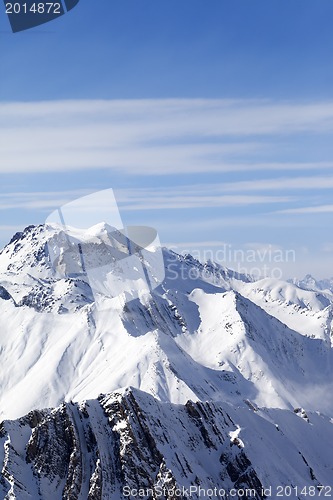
<point x="285" y="183"/>
<point x="190" y="196"/>
<point x="40" y="200"/>
<point x="139" y="199"/>
<point x="204" y="201"/>
<point x="321" y="209"/>
<point x="147" y="137"/>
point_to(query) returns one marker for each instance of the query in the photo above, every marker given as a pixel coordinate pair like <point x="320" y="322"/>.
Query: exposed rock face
<point x="130" y="445"/>
<point x="4" y="294"/>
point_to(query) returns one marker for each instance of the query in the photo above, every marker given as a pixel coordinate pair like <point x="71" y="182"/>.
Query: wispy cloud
<point x="38" y="200"/>
<point x="140" y="199"/>
<point x="283" y="183"/>
<point x="160" y="137"/>
<point x="321" y="209"/>
<point x="208" y="201"/>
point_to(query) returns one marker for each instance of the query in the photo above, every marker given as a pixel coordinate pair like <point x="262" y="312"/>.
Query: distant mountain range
<point x="310" y="283"/>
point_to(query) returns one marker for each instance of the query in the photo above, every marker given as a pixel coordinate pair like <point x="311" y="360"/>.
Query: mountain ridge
<point x="205" y="334"/>
<point x="126" y="442"/>
<point x="212" y="380"/>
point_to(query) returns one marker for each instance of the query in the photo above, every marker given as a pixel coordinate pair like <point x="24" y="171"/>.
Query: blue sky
<point x="212" y="121"/>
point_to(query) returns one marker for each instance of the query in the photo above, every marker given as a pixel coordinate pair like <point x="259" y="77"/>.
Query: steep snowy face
<point x="206" y="333"/>
<point x="305" y="311"/>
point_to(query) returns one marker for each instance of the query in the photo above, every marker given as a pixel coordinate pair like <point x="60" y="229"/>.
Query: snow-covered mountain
<point x="255" y="350"/>
<point x="310" y="283"/>
<point x="205" y="333"/>
<point x="115" y="446"/>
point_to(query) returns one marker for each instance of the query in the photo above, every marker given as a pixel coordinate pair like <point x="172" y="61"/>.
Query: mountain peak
<point x="101" y="228"/>
<point x="310" y="283"/>
<point x="204" y="333"/>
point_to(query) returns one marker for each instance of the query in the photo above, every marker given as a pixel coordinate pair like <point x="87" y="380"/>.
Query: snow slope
<point x="205" y="334"/>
